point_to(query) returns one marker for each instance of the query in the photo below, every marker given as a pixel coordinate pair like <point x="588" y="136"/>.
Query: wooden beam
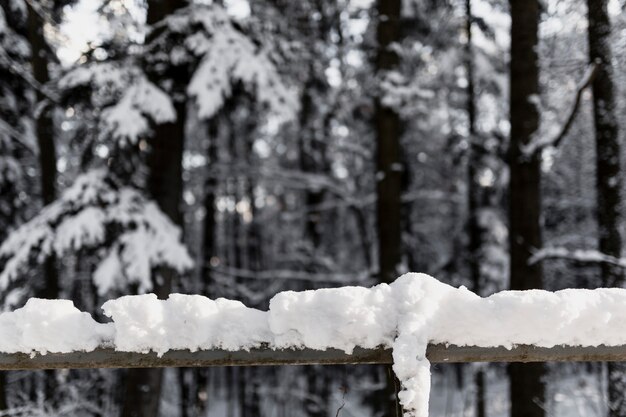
<point x="109" y="358"/>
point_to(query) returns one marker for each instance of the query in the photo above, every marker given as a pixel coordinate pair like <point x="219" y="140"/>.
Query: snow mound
<point x="130" y="233"/>
<point x="57" y="326"/>
<point x="340" y="318"/>
<point x="144" y="323"/>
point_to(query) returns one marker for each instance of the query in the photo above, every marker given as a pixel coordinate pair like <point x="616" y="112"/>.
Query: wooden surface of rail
<point x="109" y="358"/>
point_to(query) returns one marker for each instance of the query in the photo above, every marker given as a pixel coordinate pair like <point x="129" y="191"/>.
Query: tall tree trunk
<point x="473" y="195"/>
<point x="526" y="380"/>
<point x="44" y="130"/>
<point x="165" y="187"/>
<point x="208" y="250"/>
<point x="388" y="131"/>
<point x="388" y="177"/>
<point x="165" y="184"/>
<point x="608" y="175"/>
<point x="251" y="247"/>
<point x="313" y="159"/>
<point x="45" y="135"/>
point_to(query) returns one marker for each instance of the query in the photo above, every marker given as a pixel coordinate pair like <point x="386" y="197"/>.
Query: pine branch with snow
<point x="129" y="233"/>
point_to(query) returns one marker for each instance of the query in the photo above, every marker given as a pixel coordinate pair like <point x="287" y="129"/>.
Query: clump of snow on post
<point x="144" y="323"/>
<point x="127" y="118"/>
<point x="130" y="231"/>
<point x="359" y="316"/>
<point x="51" y="326"/>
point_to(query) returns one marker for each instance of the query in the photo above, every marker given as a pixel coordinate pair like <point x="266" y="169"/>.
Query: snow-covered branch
<point x="226" y="57"/>
<point x="128" y="232"/>
<point x="16" y="136"/>
<point x="130" y="102"/>
<point x="577" y="255"/>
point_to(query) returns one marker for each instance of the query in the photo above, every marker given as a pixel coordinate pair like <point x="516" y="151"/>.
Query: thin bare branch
<point x="25" y="74"/>
<point x="539" y="144"/>
<point x="285" y="274"/>
<point x="17" y="136"/>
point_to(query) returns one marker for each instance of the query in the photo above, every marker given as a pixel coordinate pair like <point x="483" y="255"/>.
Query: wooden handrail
<point x="264" y="356"/>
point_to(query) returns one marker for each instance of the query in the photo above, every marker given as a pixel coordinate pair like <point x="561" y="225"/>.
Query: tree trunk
<point x="608" y="174"/>
<point x="165" y="181"/>
<point x="526" y="380"/>
<point x="388" y="178"/>
<point x="165" y="184"/>
<point x="474" y="197"/>
<point x="45" y="136"/>
<point x="388" y="131"/>
<point x="165" y="187"/>
<point x="312" y="160"/>
<point x="3" y="393"/>
<point x="44" y="130"/>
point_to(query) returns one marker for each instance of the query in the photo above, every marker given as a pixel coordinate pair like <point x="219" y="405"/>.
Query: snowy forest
<point x="238" y="148"/>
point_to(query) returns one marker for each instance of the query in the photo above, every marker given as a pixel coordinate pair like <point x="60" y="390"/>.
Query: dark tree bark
<point x="389" y="164"/>
<point x="608" y="174"/>
<point x="474" y="196"/>
<point x="44" y="130"/>
<point x="526" y="380"/>
<point x="45" y="135"/>
<point x="388" y="179"/>
<point x="165" y="181"/>
<point x="473" y="161"/>
<point x="3" y="394"/>
<point x="164" y="185"/>
<point x="312" y="158"/>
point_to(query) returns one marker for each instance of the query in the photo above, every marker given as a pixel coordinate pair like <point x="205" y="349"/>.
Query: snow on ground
<point x="406" y="315"/>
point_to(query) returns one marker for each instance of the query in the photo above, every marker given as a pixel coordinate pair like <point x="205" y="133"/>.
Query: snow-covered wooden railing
<point x="410" y="323"/>
<point x="265" y="356"/>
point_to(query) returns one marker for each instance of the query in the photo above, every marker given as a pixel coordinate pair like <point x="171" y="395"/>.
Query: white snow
<point x="100" y="73"/>
<point x="407" y="315"/>
<point x="51" y="326"/>
<point x="340" y="318"/>
<point x="126" y="119"/>
<point x="193" y="322"/>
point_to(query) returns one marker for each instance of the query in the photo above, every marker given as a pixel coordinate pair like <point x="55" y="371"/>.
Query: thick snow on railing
<point x="406" y="316"/>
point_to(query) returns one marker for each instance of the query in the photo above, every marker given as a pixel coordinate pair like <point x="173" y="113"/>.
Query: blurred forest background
<point x="240" y="148"/>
